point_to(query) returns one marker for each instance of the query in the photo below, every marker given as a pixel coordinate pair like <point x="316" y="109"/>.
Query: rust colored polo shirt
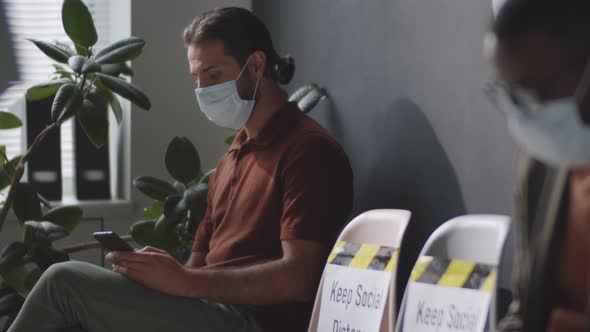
<point x="291" y="182"/>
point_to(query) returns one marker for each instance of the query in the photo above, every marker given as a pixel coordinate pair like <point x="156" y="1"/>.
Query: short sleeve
<point x="205" y="229"/>
<point x="317" y="194"/>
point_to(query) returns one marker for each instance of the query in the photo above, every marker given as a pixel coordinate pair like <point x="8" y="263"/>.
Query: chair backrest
<point x="477" y="238"/>
<point x="381" y="227"/>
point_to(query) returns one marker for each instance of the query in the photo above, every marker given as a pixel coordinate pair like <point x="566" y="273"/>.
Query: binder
<point x="92" y="164"/>
<point x="44" y="166"/>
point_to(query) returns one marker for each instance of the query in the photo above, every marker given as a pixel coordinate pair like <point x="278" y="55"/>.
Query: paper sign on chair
<point x="449" y="295"/>
<point x="356" y="287"/>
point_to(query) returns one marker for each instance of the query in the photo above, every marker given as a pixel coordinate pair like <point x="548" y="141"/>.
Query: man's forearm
<point x="197" y="259"/>
<point x="266" y="283"/>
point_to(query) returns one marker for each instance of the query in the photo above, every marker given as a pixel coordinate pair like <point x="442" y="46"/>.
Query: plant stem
<point x="90" y="245"/>
<point x="19" y="171"/>
<point x="7" y="163"/>
<point x="4" y="156"/>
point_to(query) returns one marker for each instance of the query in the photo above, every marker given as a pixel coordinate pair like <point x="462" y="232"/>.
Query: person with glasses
<point x="540" y="50"/>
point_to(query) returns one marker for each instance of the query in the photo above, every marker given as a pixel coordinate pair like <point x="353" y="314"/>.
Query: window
<point x="41" y="19"/>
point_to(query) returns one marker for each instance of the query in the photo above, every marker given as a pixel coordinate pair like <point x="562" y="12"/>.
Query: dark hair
<point x="565" y="22"/>
<point x="242" y="33"/>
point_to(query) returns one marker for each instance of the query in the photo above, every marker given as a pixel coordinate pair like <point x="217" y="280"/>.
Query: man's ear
<point x="257" y="64"/>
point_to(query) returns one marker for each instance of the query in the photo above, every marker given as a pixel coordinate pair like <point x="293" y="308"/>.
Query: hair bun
<point x="285" y="69"/>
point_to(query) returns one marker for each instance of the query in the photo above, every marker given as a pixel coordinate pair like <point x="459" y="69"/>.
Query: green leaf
<point x="126" y="90"/>
<point x="154" y="188"/>
<point x="112" y="70"/>
<point x="121" y="51"/>
<point x="310" y="100"/>
<point x="46" y="231"/>
<point x="2" y="160"/>
<point x="78" y="23"/>
<point x="45" y="90"/>
<point x="31" y="279"/>
<point x="90" y="66"/>
<point x="9" y="121"/>
<point x="166" y="224"/>
<point x="30" y="239"/>
<point x="196" y="200"/>
<point x="65" y="46"/>
<point x="7" y="172"/>
<point x="76" y="62"/>
<point x="94" y="123"/>
<point x="144" y="233"/>
<point x="26" y="204"/>
<point x="12" y="254"/>
<point x="45" y="257"/>
<point x="63" y="74"/>
<point x="182" y="160"/>
<point x="116" y="69"/>
<point x="112" y="100"/>
<point x="179" y="186"/>
<point x="302" y="92"/>
<point x="53" y="51"/>
<point x="81" y="50"/>
<point x="68" y="100"/>
<point x="154" y="211"/>
<point x="174" y="206"/>
<point x="58" y="66"/>
<point x="21" y="279"/>
<point x="10" y="303"/>
<point x="68" y="217"/>
<point x="15" y="278"/>
<point x="230" y="139"/>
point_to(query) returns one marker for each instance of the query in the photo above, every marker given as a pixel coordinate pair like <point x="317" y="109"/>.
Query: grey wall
<point x="405" y="78"/>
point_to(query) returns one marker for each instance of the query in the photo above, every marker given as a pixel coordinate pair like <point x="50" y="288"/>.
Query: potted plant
<point x="82" y="75"/>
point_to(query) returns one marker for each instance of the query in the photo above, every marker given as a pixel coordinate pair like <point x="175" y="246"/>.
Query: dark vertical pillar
<point x="44" y="166"/>
<point x="92" y="164"/>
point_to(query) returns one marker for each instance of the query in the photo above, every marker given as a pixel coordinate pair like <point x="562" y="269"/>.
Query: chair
<point x="477" y="238"/>
<point x="382" y="227"/>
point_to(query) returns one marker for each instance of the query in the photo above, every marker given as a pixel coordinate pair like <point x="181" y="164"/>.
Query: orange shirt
<point x="292" y="182"/>
<point x="573" y="270"/>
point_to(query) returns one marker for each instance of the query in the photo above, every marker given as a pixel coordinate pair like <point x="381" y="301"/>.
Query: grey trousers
<point x="77" y="296"/>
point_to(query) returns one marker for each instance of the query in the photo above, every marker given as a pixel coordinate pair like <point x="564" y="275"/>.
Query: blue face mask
<point x="223" y="105"/>
<point x="553" y="131"/>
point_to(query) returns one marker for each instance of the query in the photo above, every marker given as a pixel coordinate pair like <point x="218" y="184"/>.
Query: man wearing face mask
<point x="276" y="204"/>
<point x="541" y="53"/>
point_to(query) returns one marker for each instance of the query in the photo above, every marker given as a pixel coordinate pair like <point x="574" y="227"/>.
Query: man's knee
<point x="63" y="273"/>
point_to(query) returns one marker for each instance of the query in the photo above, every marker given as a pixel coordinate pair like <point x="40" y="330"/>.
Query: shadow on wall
<point x="411" y="171"/>
<point x="406" y="168"/>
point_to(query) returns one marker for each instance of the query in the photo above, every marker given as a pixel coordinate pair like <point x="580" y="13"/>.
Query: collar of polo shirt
<point x="278" y="124"/>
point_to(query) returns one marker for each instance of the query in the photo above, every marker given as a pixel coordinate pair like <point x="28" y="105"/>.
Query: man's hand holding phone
<point x="110" y="241"/>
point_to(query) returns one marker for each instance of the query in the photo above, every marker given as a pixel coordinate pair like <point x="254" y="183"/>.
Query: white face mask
<point x="223" y="105"/>
<point x="551" y="132"/>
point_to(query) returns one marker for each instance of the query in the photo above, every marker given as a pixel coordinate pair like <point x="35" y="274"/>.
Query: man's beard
<point x="247" y="86"/>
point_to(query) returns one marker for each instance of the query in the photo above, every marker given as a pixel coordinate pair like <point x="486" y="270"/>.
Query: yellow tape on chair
<point x="454" y="273"/>
<point x="363" y="256"/>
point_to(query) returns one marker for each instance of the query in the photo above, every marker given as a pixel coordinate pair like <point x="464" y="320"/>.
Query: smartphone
<point x="110" y="241"/>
